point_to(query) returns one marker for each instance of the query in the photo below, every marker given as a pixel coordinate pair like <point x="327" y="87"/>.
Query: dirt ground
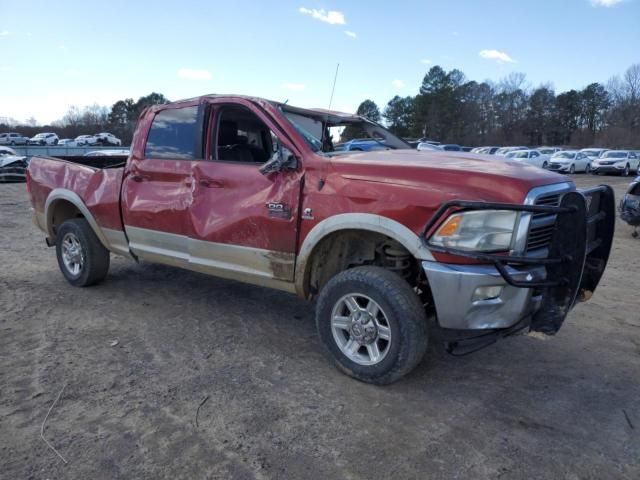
<point x="216" y="379"/>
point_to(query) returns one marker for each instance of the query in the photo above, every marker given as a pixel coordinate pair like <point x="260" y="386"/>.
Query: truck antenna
<point x="333" y="89"/>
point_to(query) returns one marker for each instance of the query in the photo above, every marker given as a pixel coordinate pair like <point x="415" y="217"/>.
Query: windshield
<point x="518" y="154"/>
<point x="564" y="155"/>
<point x="329" y="134"/>
<point x="614" y="155"/>
<point x="591" y="153"/>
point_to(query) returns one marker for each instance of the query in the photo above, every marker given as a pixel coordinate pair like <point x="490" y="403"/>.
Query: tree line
<point x="448" y="108"/>
<point x="452" y="109"/>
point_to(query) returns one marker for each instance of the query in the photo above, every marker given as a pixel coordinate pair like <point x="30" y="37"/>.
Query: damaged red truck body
<point x="395" y="244"/>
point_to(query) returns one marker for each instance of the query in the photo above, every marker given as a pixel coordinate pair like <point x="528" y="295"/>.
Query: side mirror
<point x="281" y="160"/>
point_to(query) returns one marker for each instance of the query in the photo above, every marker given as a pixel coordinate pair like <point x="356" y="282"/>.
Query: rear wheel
<point x="626" y="171"/>
<point x="82" y="259"/>
<point x="545" y="164"/>
<point x="587" y="169"/>
<point x="372" y="324"/>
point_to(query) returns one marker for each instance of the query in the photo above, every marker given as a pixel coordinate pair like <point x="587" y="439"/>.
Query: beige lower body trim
<point x="117" y="242"/>
<point x="246" y="264"/>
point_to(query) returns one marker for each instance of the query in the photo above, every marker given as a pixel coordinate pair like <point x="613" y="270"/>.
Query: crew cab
<point x="392" y="244"/>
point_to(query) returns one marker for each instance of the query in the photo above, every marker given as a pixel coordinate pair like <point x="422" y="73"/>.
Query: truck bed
<point x="98" y="161"/>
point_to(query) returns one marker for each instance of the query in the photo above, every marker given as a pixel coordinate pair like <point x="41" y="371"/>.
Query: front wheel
<point x="82" y="259"/>
<point x="587" y="169"/>
<point x="626" y="171"/>
<point x="372" y="324"/>
<point x="572" y="169"/>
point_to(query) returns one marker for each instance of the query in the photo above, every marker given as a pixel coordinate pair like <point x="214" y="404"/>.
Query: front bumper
<point x="459" y="306"/>
<point x="534" y="291"/>
<point x="616" y="167"/>
<point x="559" y="167"/>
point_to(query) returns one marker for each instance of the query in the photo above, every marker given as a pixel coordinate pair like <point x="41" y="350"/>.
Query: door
<point x="244" y="224"/>
<point x="158" y="190"/>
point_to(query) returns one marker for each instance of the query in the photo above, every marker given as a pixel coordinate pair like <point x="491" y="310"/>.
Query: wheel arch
<point x="63" y="204"/>
<point x="352" y="223"/>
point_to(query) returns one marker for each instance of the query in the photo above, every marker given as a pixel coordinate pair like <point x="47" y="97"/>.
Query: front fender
<point x="354" y="221"/>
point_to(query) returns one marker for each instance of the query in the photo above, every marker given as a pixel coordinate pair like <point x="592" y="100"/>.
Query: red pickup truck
<point x="395" y="244"/>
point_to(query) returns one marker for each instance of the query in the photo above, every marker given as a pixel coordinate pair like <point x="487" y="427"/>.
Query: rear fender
<point x="63" y="195"/>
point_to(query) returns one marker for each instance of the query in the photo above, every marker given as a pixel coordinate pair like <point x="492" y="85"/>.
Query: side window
<point x="534" y="154"/>
<point x="632" y="155"/>
<point x="240" y="136"/>
<point x="173" y="134"/>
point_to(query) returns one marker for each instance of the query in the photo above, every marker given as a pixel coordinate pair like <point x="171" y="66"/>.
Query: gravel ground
<point x="270" y="406"/>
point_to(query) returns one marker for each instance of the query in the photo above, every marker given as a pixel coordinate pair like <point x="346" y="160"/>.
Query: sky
<point x="57" y="54"/>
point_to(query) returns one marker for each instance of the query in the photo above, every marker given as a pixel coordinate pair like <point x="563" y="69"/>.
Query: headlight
<point x="479" y="230"/>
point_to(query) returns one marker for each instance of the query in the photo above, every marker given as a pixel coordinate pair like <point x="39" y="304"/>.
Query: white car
<point x="7" y="151"/>
<point x="424" y="146"/>
<point x="570" y="161"/>
<point x="13" y="139"/>
<point x="108" y="139"/>
<point x="617" y="161"/>
<point x="593" y="152"/>
<point x="504" y="150"/>
<point x="530" y="157"/>
<point x="44" y="139"/>
<point x="548" y="150"/>
<point x="66" y="142"/>
<point x="86" y="140"/>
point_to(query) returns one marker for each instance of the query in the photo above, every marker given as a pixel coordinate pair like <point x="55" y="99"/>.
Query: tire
<point x="545" y="164"/>
<point x="77" y="244"/>
<point x="398" y="309"/>
<point x="13" y="143"/>
<point x="626" y="170"/>
<point x="587" y="169"/>
<point x="572" y="169"/>
<point x="55" y="142"/>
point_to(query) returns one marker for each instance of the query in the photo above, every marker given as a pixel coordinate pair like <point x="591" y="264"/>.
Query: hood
<point x="443" y="176"/>
<point x="6" y="160"/>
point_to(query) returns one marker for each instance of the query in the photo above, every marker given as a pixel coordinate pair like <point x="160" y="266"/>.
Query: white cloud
<point x="496" y="55"/>
<point x="351" y="34"/>
<point x="4" y="33"/>
<point x="426" y="61"/>
<point x="332" y="17"/>
<point x="296" y="87"/>
<point x="605" y="3"/>
<point x="194" y="74"/>
<point x="398" y="83"/>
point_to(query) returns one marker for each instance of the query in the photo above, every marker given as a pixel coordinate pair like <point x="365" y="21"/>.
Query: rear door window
<point x="173" y="134"/>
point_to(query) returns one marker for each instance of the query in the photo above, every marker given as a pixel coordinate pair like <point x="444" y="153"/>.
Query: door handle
<point x="136" y="177"/>
<point x="210" y="183"/>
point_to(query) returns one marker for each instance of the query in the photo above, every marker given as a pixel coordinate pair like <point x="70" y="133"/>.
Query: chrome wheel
<point x="360" y="329"/>
<point x="72" y="254"/>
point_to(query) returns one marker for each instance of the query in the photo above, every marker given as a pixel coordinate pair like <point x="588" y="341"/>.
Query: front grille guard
<point x="583" y="229"/>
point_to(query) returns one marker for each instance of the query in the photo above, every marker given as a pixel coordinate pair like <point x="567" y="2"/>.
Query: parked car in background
<point x="106" y="138"/>
<point x="361" y="145"/>
<point x="548" y="150"/>
<point x="66" y="142"/>
<point x="451" y="147"/>
<point x="593" y="152"/>
<point x="7" y="151"/>
<point x="485" y="150"/>
<point x="108" y="153"/>
<point x="424" y="146"/>
<point x="466" y="149"/>
<point x="569" y="161"/>
<point x="44" y="139"/>
<point x="616" y="161"/>
<point x="83" y="140"/>
<point x="13" y="139"/>
<point x="504" y="150"/>
<point x="13" y="167"/>
<point x="530" y="157"/>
